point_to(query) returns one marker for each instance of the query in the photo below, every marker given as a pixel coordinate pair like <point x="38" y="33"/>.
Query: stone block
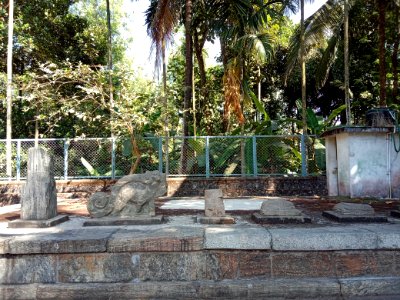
<point x="262" y="219"/>
<point x="18" y="292"/>
<point x="136" y="290"/>
<point x="173" y="266"/>
<point x="348" y="218"/>
<point x="350" y="264"/>
<point x="167" y="239"/>
<point x="302" y="264"/>
<point x="254" y="264"/>
<point x="323" y="239"/>
<point x="68" y="241"/>
<point x="213" y="203"/>
<point x="216" y="220"/>
<point x="298" y="288"/>
<point x="99" y="267"/>
<point x="371" y="286"/>
<point x="223" y="265"/>
<point x="240" y="237"/>
<point x="122" y="221"/>
<point x="28" y="269"/>
<point x="382" y="263"/>
<point x="388" y="236"/>
<point x="20" y="223"/>
<point x="39" y="195"/>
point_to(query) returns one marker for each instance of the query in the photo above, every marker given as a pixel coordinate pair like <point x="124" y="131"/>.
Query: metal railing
<point x="205" y="156"/>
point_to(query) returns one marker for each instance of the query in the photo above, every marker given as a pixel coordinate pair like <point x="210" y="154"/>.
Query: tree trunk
<point x="9" y="87"/>
<point x="395" y="54"/>
<point x="382" y="63"/>
<point x="303" y="70"/>
<point x="110" y="65"/>
<point x="198" y="48"/>
<point x="188" y="83"/>
<point x="346" y="63"/>
<point x="165" y="101"/>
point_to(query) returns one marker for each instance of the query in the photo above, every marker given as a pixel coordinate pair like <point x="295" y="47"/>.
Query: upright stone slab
<point x="39" y="195"/>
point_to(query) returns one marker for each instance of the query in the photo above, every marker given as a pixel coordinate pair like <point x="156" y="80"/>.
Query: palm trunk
<point x="303" y="71"/>
<point x="395" y="54"/>
<point x="382" y="63"/>
<point x="165" y="100"/>
<point x="346" y="63"/>
<point x="110" y="65"/>
<point x="188" y="83"/>
<point x="9" y="87"/>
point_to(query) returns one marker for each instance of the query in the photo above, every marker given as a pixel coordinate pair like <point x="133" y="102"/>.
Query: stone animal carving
<point x="132" y="195"/>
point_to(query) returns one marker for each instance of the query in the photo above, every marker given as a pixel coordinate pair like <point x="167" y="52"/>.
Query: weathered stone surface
<point x="173" y="266"/>
<point x="100" y="267"/>
<point x="213" y="203"/>
<point x="223" y="265"/>
<point x="19" y="223"/>
<point x="372" y="286"/>
<point x="137" y="290"/>
<point x="27" y="269"/>
<point x="167" y="239"/>
<point x="355" y="209"/>
<point x="18" y="292"/>
<point x="39" y="196"/>
<point x="348" y="218"/>
<point x="121" y="221"/>
<point x="69" y="241"/>
<point x="254" y="264"/>
<point x="302" y="264"/>
<point x="322" y="238"/>
<point x="388" y="236"/>
<point x="216" y="220"/>
<point x="245" y="237"/>
<point x="279" y="207"/>
<point x="262" y="219"/>
<point x="349" y="264"/>
<point x="299" y="288"/>
<point x="131" y="196"/>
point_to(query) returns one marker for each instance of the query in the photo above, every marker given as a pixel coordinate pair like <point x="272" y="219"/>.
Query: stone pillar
<point x="39" y="195"/>
<point x="213" y="203"/>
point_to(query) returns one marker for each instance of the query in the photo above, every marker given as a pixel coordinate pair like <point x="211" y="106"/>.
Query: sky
<point x="140" y="44"/>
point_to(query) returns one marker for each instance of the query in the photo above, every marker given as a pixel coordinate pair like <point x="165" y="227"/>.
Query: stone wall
<point x="244" y="262"/>
<point x="183" y="187"/>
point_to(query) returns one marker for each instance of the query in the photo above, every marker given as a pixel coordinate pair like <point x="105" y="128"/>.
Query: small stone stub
<point x="279" y="207"/>
<point x="213" y="203"/>
<point x="355" y="209"/>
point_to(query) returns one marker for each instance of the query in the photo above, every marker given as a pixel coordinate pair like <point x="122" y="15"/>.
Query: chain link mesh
<point x="204" y="156"/>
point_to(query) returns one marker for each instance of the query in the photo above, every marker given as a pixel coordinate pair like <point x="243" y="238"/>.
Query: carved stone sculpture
<point x="131" y="196"/>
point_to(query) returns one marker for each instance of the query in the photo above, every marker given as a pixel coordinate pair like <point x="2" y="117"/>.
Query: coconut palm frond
<point x="161" y="18"/>
<point x="326" y="19"/>
<point x="232" y="93"/>
<point x="326" y="62"/>
<point x="258" y="46"/>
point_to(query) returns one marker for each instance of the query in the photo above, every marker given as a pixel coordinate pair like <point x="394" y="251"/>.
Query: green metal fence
<point x="205" y="156"/>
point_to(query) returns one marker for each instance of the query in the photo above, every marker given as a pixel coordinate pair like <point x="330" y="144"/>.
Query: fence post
<point x="160" y="155"/>
<point x="303" y="150"/>
<point x="255" y="170"/>
<point x="207" y="157"/>
<point x="66" y="147"/>
<point x="18" y="160"/>
<point x="113" y="158"/>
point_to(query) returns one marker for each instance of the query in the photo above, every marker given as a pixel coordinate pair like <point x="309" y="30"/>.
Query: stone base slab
<point x="342" y="218"/>
<point x="120" y="221"/>
<point x="263" y="219"/>
<point x="309" y="288"/>
<point x="38" y="223"/>
<point x="216" y="220"/>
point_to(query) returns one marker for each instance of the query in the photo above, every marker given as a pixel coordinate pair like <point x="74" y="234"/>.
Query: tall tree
<point x="382" y="57"/>
<point x="9" y="84"/>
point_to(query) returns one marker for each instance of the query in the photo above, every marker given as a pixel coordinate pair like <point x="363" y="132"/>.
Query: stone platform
<point x="185" y="260"/>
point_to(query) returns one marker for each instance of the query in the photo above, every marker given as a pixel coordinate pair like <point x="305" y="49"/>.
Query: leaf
<point x="92" y="171"/>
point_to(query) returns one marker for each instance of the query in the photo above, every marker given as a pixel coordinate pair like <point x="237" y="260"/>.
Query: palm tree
<point x="9" y="86"/>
